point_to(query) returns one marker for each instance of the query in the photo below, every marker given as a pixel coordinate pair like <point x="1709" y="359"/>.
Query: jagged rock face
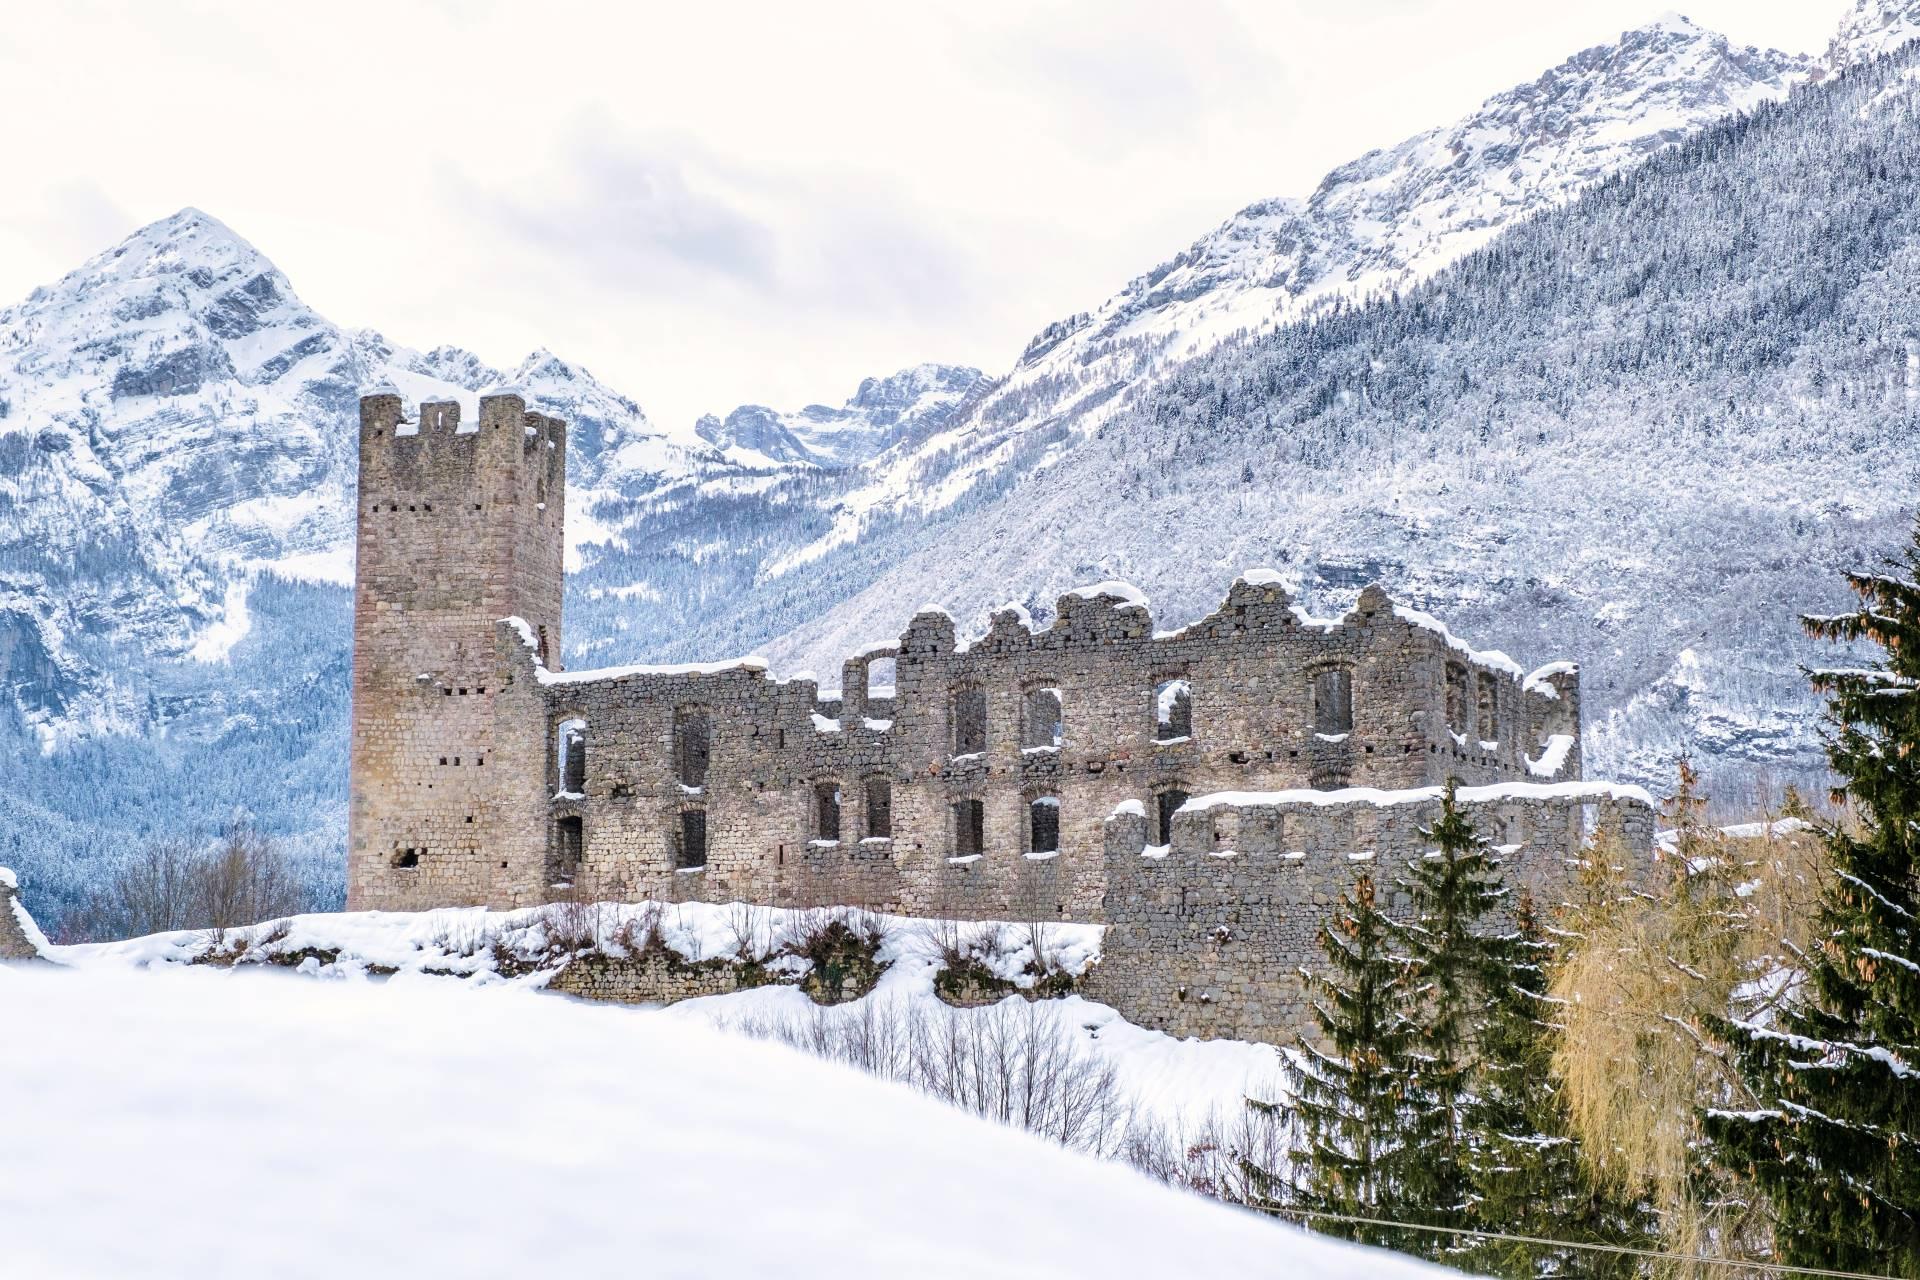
<point x="883" y="412"/>
<point x="1872" y="28"/>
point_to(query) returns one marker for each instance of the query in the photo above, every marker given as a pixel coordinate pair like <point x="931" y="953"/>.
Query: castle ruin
<point x="1205" y="791"/>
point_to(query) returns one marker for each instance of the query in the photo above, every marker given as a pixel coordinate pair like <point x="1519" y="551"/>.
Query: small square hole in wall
<point x="470" y="820"/>
<point x="443" y="759"/>
<point x="448" y="692"/>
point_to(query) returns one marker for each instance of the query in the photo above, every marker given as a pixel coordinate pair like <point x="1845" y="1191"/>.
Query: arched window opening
<point x="1043" y="825"/>
<point x="879" y="809"/>
<point x="1042" y="719"/>
<point x="692" y="850"/>
<point x="969" y="828"/>
<point x="569" y="845"/>
<point x="1333" y="701"/>
<point x="1457" y="699"/>
<point x="826" y="811"/>
<point x="570" y="752"/>
<point x="1172" y="710"/>
<point x="969" y="720"/>
<point x="1169" y="804"/>
<point x="692" y="745"/>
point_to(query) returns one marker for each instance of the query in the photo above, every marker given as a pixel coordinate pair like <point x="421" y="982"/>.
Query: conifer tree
<point x="1456" y="957"/>
<point x="1349" y="1085"/>
<point x="1834" y="1141"/>
<point x="1526" y="1170"/>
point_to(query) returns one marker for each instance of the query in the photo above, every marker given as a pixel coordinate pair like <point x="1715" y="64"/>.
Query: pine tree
<point x="1455" y="959"/>
<point x="1835" y="1141"/>
<point x="1526" y="1170"/>
<point x="1348" y="1086"/>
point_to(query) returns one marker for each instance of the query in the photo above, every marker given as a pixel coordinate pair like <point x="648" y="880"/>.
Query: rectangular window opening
<point x="693" y="838"/>
<point x="969" y="828"/>
<point x="826" y="811"/>
<point x="1044" y="825"/>
<point x="879" y="808"/>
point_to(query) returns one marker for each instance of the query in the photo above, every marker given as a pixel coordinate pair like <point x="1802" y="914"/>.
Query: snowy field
<point x="1179" y="1084"/>
<point x="161" y="1120"/>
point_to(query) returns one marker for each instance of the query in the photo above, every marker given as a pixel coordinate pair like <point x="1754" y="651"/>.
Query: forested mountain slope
<point x="1644" y="431"/>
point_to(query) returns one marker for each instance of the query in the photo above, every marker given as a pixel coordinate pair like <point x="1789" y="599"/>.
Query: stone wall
<point x="1250" y="672"/>
<point x="20" y="938"/>
<point x="1207" y="937"/>
<point x="657" y="976"/>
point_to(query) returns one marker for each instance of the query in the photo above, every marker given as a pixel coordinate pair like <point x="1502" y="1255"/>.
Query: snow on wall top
<point x="596" y="674"/>
<point x="1129" y="595"/>
<point x="1483" y="657"/>
<point x="1580" y="791"/>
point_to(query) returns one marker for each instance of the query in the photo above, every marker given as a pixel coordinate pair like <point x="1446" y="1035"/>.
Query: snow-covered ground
<point x="1179" y="1085"/>
<point x="215" y="1123"/>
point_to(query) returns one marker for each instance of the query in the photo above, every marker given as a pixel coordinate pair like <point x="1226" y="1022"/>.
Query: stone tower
<point x="459" y="525"/>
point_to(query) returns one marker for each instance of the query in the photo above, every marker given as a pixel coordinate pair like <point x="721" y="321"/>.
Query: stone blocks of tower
<point x="458" y="524"/>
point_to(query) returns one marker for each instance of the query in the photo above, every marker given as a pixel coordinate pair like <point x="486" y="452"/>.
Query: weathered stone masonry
<point x="977" y="783"/>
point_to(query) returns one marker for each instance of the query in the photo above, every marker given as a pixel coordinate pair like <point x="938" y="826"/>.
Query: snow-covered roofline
<point x="1484" y="657"/>
<point x="1576" y="791"/>
<point x="550" y="678"/>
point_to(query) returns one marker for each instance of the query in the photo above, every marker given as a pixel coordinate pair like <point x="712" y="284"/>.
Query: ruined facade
<point x="974" y="779"/>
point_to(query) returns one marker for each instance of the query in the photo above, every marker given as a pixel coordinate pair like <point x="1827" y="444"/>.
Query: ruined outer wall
<point x="1208" y="937"/>
<point x="1250" y="666"/>
<point x="20" y="938"/>
<point x="458" y="525"/>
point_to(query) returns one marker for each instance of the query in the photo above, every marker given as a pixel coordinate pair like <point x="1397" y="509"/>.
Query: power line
<point x="1772" y="1268"/>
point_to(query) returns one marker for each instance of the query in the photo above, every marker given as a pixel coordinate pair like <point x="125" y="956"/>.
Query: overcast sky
<point x="708" y="204"/>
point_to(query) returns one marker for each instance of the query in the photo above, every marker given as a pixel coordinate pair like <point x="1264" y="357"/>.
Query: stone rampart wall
<point x="1207" y="937"/>
<point x="20" y="938"/>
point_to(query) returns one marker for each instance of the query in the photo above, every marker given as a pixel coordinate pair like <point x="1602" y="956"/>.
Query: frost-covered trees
<point x="1833" y="1138"/>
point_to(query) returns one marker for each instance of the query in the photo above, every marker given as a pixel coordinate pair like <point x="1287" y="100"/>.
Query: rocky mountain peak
<point x="1871" y="28"/>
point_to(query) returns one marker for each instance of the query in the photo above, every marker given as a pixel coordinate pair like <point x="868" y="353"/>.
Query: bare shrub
<point x="640" y="933"/>
<point x="179" y="882"/>
<point x="244" y="878"/>
<point x="1012" y="1063"/>
<point x="573" y="924"/>
<point x="461" y="933"/>
<point x="751" y="931"/>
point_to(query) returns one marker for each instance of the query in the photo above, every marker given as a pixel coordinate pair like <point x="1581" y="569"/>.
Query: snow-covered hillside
<point x="1380" y="224"/>
<point x="415" y="1127"/>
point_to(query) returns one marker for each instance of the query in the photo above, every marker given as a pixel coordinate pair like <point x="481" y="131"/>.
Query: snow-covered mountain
<point x="1520" y="446"/>
<point x="1873" y="28"/>
<point x="1377" y="225"/>
<point x="882" y="413"/>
